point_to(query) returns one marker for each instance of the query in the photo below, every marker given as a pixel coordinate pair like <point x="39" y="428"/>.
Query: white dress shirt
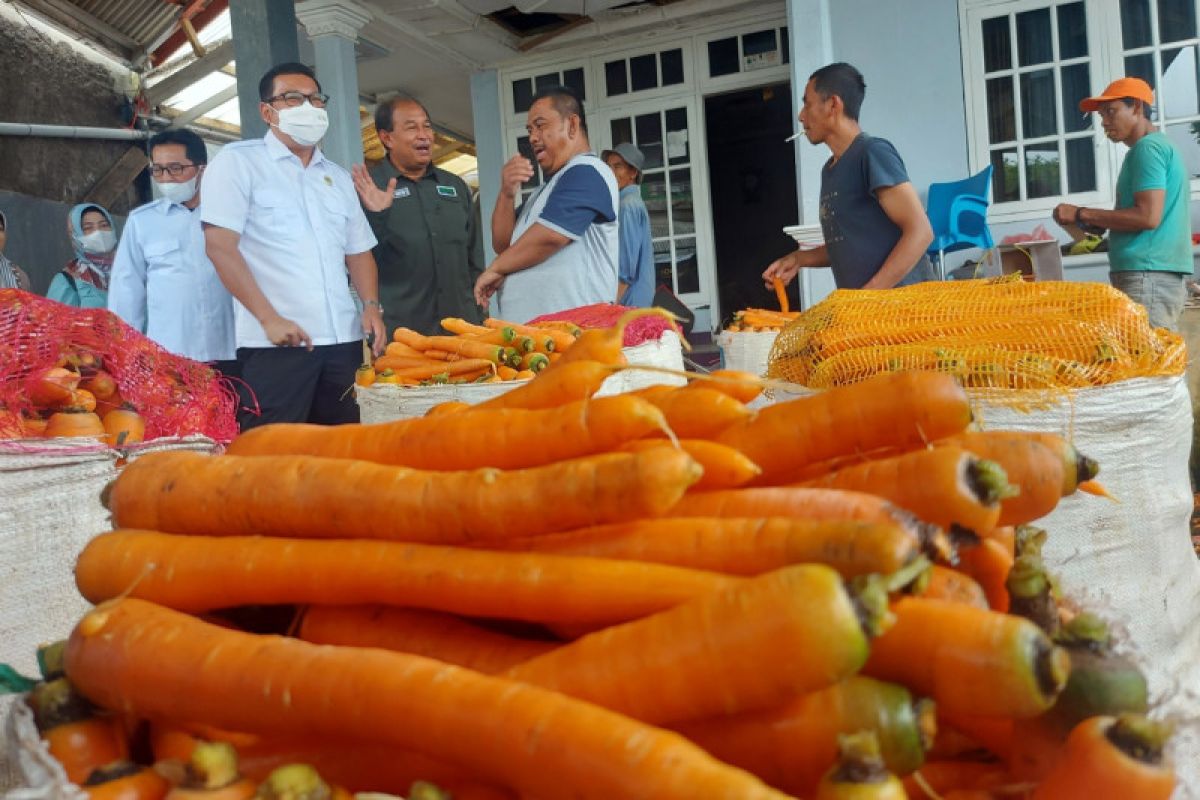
<point x="297" y="225"/>
<point x="163" y="284"/>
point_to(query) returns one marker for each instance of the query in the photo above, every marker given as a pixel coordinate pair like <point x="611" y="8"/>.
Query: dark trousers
<point x="292" y="384"/>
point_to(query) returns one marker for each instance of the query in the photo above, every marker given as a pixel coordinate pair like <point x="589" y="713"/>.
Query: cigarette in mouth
<point x="793" y="137"/>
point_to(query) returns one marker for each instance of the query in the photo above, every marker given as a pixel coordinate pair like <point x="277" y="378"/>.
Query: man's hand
<point x="1064" y="213"/>
<point x="285" y="333"/>
<point x="516" y="172"/>
<point x="487" y="285"/>
<point x="372" y="324"/>
<point x="373" y="198"/>
<point x="782" y="268"/>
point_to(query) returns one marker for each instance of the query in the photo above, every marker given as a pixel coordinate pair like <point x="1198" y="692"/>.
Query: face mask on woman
<point x="306" y="123"/>
<point x="101" y="241"/>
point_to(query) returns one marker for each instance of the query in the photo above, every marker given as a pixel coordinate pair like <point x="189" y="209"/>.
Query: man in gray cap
<point x="635" y="272"/>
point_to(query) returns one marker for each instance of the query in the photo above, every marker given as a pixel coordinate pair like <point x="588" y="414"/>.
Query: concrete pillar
<point x="489" y="148"/>
<point x="333" y="27"/>
<point x="264" y="34"/>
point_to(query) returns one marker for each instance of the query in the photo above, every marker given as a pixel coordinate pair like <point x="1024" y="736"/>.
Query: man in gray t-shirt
<point x="875" y="228"/>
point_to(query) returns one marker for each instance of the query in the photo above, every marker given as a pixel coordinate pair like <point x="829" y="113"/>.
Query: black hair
<point x="1147" y="109"/>
<point x="843" y="80"/>
<point x="566" y="102"/>
<point x="386" y="111"/>
<point x="267" y="85"/>
<point x="193" y="145"/>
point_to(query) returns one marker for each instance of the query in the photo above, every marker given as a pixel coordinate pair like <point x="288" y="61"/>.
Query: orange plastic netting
<point x="994" y="334"/>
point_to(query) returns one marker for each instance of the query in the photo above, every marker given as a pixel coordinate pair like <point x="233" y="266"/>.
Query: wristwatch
<point x="373" y="303"/>
<point x="1083" y="226"/>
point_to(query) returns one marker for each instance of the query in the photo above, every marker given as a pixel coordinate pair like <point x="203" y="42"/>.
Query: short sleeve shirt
<point x="1154" y="163"/>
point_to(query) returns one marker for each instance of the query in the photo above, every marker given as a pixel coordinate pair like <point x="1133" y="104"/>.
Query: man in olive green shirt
<point x="429" y="252"/>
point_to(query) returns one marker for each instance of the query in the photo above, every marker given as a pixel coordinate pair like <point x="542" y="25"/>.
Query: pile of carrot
<point x="760" y="319"/>
<point x="660" y="594"/>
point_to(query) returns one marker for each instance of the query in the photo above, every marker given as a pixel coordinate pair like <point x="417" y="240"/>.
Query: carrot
<point x="699" y="413"/>
<point x="989" y="564"/>
<point x="791" y="745"/>
<point x="946" y="485"/>
<point x="860" y="773"/>
<point x="448" y="407"/>
<point x="504" y="438"/>
<point x="534" y="362"/>
<point x="506" y="373"/>
<point x="575" y="381"/>
<point x="547" y="340"/>
<point x="402" y="350"/>
<point x="461" y="327"/>
<point x="604" y="344"/>
<point x="1097" y="489"/>
<point x="191" y="573"/>
<point x="892" y="410"/>
<point x="994" y="734"/>
<point x="1031" y="591"/>
<point x="1005" y="536"/>
<point x="463" y="367"/>
<point x="724" y="467"/>
<point x="313" y="497"/>
<point x="395" y="363"/>
<point x="944" y="777"/>
<point x="454" y="345"/>
<point x="424" y="633"/>
<point x="969" y="660"/>
<point x="560" y="325"/>
<point x="780" y="295"/>
<point x="84" y="745"/>
<point x="741" y="386"/>
<point x="1112" y="757"/>
<point x="747" y="647"/>
<point x="124" y="780"/>
<point x="743" y="546"/>
<point x="953" y="586"/>
<point x="158" y="663"/>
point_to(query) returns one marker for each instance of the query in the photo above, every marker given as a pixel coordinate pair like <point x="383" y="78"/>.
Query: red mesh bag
<point x="175" y="395"/>
<point x="605" y="315"/>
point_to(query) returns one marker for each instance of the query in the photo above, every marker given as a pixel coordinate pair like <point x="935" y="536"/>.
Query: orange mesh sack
<point x="175" y="395"/>
<point x="997" y="334"/>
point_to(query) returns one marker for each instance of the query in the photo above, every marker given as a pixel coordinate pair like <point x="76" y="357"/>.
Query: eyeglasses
<point x="174" y="170"/>
<point x="295" y="99"/>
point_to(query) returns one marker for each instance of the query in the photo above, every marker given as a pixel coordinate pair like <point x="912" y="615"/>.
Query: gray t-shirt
<point x="858" y="234"/>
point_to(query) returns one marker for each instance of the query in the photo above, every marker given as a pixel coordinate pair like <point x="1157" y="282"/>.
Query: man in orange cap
<point x="1150" y="240"/>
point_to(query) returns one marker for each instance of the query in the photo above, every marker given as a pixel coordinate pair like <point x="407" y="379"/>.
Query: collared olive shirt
<point x="429" y="252"/>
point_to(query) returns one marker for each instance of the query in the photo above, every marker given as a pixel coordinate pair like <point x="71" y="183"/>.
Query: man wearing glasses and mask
<point x="162" y="282"/>
<point x="283" y="227"/>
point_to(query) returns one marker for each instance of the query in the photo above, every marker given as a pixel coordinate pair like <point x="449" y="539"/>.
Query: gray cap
<point x="630" y="154"/>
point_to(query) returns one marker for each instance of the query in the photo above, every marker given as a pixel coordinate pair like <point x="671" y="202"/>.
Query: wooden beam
<point x="209" y="63"/>
<point x="200" y="109"/>
<point x="528" y="44"/>
<point x="114" y="182"/>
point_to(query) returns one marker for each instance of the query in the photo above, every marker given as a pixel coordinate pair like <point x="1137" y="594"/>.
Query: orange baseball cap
<point x="1119" y="89"/>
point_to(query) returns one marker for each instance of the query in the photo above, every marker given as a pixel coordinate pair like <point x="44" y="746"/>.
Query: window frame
<point x="508" y="78"/>
<point x="599" y="79"/>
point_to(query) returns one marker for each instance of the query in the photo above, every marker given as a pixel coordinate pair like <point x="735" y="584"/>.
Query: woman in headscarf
<point x="11" y="276"/>
<point x="84" y="281"/>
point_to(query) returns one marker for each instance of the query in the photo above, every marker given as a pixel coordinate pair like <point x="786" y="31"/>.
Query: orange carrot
<point x="791" y="745"/>
<point x="604" y="344"/>
<point x="546" y="340"/>
<point x="741" y="386"/>
<point x="763" y="641"/>
<point x="988" y="563"/>
<point x="780" y="295"/>
<point x="743" y="546"/>
<point x="1112" y="757"/>
<point x="506" y="373"/>
<point x="454" y="345"/>
<point x="969" y="660"/>
<point x="724" y="467"/>
<point x="946" y="485"/>
<point x="1096" y="488"/>
<point x="461" y="327"/>
<point x="994" y="734"/>
<point x="424" y="633"/>
<point x="463" y="367"/>
<point x="158" y="663"/>
<point x="191" y="573"/>
<point x="1005" y="536"/>
<point x="698" y="413"/>
<point x="401" y="362"/>
<point x="504" y="438"/>
<point x="944" y="777"/>
<point x="892" y="410"/>
<point x="859" y="773"/>
<point x="952" y="585"/>
<point x="574" y="381"/>
<point x="313" y="497"/>
<point x="448" y="407"/>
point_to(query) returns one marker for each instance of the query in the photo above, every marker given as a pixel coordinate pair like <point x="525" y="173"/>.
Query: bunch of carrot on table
<point x="469" y="353"/>
<point x="660" y="594"/>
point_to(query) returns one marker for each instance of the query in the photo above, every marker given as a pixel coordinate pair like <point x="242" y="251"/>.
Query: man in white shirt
<point x="284" y="227"/>
<point x="162" y="282"/>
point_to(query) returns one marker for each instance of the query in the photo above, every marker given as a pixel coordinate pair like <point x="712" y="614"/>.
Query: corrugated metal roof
<point x="141" y="20"/>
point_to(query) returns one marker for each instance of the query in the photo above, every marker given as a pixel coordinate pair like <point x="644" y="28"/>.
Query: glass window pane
<point x="672" y="67"/>
<point x="1072" y="31"/>
<point x="1076" y="84"/>
<point x="662" y="262"/>
<point x="1081" y="165"/>
<point x="522" y="91"/>
<point x="1034" y="42"/>
<point x="622" y="131"/>
<point x="1042" y="168"/>
<point x="524" y="148"/>
<point x="654" y="193"/>
<point x="682" y="217"/>
<point x="650" y="138"/>
<point x="1038" y="104"/>
<point x="723" y="57"/>
<point x="573" y="79"/>
<point x="1186" y="136"/>
<point x="687" y="269"/>
<point x="678" y="141"/>
<point x="1135" y="23"/>
<point x="1176" y="20"/>
<point x="785" y="45"/>
<point x="547" y="81"/>
<point x="759" y="42"/>
<point x="615" y="80"/>
<point x="1006" y="177"/>
<point x="1001" y="111"/>
<point x="1178" y="97"/>
<point x="1141" y="66"/>
<point x="643" y="72"/>
<point x="997" y="44"/>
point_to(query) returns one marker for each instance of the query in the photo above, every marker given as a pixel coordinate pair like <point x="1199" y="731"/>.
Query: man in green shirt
<point x="1150" y="245"/>
<point x="429" y="252"/>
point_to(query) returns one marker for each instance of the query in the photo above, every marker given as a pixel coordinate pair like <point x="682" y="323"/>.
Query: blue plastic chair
<point x="958" y="215"/>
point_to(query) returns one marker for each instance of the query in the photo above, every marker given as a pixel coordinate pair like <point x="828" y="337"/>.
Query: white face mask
<point x="178" y="192"/>
<point x="101" y="241"/>
<point x="306" y="124"/>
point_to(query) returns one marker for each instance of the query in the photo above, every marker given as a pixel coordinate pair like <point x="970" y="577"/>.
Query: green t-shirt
<point x="1154" y="163"/>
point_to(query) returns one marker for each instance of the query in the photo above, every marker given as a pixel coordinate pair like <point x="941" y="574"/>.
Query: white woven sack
<point x="1132" y="561"/>
<point x="27" y="770"/>
<point x="665" y="352"/>
<point x="387" y="402"/>
<point x="747" y="351"/>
